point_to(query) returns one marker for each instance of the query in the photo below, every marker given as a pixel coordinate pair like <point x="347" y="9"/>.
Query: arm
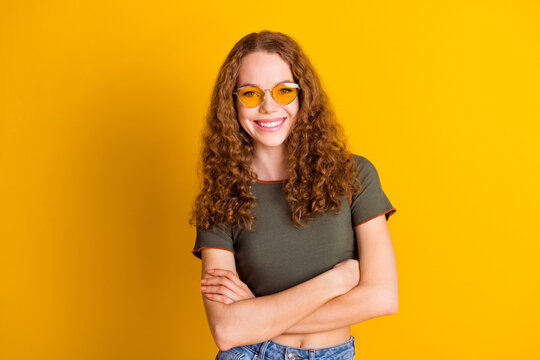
<point x="253" y="320"/>
<point x="376" y="294"/>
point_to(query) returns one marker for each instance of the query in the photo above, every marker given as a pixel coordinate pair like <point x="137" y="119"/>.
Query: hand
<point x="349" y="272"/>
<point x="224" y="286"/>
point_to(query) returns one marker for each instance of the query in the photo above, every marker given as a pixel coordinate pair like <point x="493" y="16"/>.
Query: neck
<point x="270" y="163"/>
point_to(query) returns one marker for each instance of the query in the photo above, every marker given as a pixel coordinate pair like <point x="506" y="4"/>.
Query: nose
<point x="268" y="105"/>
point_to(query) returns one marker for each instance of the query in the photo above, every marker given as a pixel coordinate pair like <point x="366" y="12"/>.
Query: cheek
<point x="241" y="110"/>
<point x="293" y="109"/>
<point x="240" y="113"/>
<point x="243" y="118"/>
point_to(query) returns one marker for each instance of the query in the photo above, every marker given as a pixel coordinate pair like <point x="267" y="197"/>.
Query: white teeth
<point x="272" y="124"/>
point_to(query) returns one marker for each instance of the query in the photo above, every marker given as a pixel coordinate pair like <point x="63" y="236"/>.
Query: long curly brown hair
<point x="320" y="167"/>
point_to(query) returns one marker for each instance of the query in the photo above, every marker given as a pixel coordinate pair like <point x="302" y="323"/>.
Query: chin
<point x="272" y="143"/>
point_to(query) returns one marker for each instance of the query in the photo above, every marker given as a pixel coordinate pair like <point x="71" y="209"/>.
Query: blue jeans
<point x="270" y="350"/>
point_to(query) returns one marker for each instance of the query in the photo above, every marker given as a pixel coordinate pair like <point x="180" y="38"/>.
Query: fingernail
<point x="203" y="280"/>
<point x="211" y="271"/>
<point x="203" y="287"/>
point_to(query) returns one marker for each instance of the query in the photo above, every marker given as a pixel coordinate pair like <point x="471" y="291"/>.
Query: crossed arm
<point x="375" y="295"/>
<point x="236" y="317"/>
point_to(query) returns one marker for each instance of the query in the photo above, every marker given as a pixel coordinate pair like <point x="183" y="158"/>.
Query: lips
<point x="269" y="120"/>
<point x="266" y="121"/>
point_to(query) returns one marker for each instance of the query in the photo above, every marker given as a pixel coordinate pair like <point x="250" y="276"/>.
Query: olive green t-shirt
<point x="277" y="255"/>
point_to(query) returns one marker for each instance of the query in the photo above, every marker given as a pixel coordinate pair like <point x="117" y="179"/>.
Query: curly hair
<point x="321" y="169"/>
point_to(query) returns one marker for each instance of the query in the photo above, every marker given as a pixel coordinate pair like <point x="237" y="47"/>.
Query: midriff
<point x="315" y="340"/>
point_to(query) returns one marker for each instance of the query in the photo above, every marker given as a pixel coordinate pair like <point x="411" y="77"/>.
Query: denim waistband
<point x="294" y="353"/>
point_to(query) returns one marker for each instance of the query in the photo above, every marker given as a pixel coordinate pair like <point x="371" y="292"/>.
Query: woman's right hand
<point x="348" y="273"/>
<point x="224" y="286"/>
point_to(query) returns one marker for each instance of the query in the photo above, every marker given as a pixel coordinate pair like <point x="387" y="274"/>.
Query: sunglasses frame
<point x="295" y="85"/>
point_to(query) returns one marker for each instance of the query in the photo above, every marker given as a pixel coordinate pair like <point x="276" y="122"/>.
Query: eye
<point x="250" y="93"/>
<point x="285" y="90"/>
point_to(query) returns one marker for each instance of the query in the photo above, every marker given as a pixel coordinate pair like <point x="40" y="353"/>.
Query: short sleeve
<point x="371" y="201"/>
<point x="217" y="237"/>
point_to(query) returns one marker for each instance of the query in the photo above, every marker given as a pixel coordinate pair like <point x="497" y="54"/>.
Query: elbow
<point x="224" y="325"/>
<point x="389" y="302"/>
<point x="222" y="337"/>
<point x="392" y="308"/>
<point x="223" y="346"/>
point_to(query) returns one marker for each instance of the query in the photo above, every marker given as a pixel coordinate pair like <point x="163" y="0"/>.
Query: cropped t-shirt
<point x="276" y="255"/>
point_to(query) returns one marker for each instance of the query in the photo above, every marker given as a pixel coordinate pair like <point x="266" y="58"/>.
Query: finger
<point x="224" y="286"/>
<point x="238" y="293"/>
<point x="217" y="290"/>
<point x="229" y="275"/>
<point x="219" y="298"/>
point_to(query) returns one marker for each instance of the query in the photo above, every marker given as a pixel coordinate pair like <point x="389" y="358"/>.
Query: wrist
<point x="337" y="282"/>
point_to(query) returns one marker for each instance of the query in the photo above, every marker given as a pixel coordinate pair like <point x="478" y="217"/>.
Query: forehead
<point x="263" y="69"/>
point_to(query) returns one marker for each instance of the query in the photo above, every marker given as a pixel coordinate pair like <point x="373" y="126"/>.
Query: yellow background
<point x="101" y="108"/>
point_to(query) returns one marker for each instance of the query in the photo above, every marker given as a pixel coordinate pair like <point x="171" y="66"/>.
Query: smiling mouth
<point x="270" y="124"/>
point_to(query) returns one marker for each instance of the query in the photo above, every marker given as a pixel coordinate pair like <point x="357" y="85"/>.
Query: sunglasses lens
<point x="250" y="96"/>
<point x="284" y="93"/>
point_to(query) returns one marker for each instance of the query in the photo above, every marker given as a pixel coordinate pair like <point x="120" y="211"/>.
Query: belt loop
<point x="311" y="354"/>
<point x="262" y="350"/>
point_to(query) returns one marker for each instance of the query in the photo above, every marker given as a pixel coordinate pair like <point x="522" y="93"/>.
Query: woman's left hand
<point x="224" y="286"/>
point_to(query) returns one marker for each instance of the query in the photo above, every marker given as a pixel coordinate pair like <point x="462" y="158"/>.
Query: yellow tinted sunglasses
<point x="283" y="94"/>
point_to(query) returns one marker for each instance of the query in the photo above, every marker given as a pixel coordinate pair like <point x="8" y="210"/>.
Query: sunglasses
<point x="252" y="96"/>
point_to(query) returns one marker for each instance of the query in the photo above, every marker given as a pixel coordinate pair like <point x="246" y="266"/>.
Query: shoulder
<point x="359" y="158"/>
<point x="363" y="163"/>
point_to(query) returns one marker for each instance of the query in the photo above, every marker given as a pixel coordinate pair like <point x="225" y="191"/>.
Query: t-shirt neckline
<point x="268" y="181"/>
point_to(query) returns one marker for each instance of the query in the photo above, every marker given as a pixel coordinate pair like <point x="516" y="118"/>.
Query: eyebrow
<point x="281" y="82"/>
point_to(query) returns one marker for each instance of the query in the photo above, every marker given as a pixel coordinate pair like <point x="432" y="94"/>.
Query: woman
<point x="288" y="207"/>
